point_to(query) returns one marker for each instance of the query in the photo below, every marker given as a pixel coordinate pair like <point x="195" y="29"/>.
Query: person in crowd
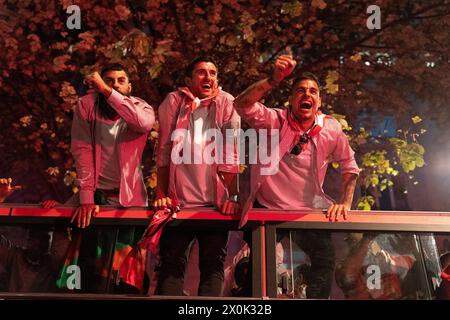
<point x="308" y="142"/>
<point x="187" y="116"/>
<point x="109" y="132"/>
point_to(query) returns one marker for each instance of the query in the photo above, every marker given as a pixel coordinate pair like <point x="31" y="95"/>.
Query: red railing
<point x="263" y="224"/>
<point x="392" y="220"/>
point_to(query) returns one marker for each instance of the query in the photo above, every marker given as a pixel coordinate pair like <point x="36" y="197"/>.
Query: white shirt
<point x="197" y="188"/>
<point x="295" y="171"/>
<point x="109" y="175"/>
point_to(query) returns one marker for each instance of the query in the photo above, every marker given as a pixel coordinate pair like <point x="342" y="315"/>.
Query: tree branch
<point x="351" y="46"/>
<point x="182" y="36"/>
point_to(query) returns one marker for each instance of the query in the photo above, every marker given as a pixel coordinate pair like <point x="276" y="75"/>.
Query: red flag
<point x="132" y="270"/>
<point x="443" y="292"/>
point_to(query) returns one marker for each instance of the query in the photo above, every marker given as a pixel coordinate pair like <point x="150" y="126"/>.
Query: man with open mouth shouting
<point x="309" y="141"/>
<point x="186" y="116"/>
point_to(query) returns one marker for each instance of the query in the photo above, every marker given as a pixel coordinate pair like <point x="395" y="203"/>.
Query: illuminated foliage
<point x="376" y="72"/>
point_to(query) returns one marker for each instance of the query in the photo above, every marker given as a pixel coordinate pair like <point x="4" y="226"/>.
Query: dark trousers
<point x="318" y="246"/>
<point x="175" y="247"/>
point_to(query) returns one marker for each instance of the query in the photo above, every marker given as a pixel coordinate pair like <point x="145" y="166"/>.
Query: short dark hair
<point x="306" y="76"/>
<point x="190" y="67"/>
<point x="114" y="67"/>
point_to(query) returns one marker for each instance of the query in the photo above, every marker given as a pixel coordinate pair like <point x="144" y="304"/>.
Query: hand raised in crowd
<point x="96" y="82"/>
<point x="284" y="65"/>
<point x="231" y="205"/>
<point x="6" y="189"/>
<point x="336" y="210"/>
<point x="84" y="213"/>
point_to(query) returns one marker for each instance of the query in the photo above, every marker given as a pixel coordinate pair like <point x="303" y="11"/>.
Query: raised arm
<point x="255" y="114"/>
<point x="284" y="66"/>
<point x="137" y="113"/>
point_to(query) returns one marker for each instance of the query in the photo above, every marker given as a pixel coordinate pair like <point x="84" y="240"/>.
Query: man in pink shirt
<point x="187" y="117"/>
<point x="109" y="132"/>
<point x="309" y="141"/>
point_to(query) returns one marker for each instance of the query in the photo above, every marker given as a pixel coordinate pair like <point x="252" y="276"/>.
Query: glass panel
<point x="37" y="258"/>
<point x="113" y="257"/>
<point x="436" y="250"/>
<point x="31" y="258"/>
<point x="340" y="265"/>
<point x="236" y="268"/>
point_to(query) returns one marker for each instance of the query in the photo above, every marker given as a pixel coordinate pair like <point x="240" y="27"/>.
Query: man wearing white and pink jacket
<point x="109" y="132"/>
<point x="308" y="142"/>
<point x="187" y="118"/>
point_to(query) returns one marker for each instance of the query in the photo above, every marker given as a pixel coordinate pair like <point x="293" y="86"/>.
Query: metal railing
<point x="262" y="223"/>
